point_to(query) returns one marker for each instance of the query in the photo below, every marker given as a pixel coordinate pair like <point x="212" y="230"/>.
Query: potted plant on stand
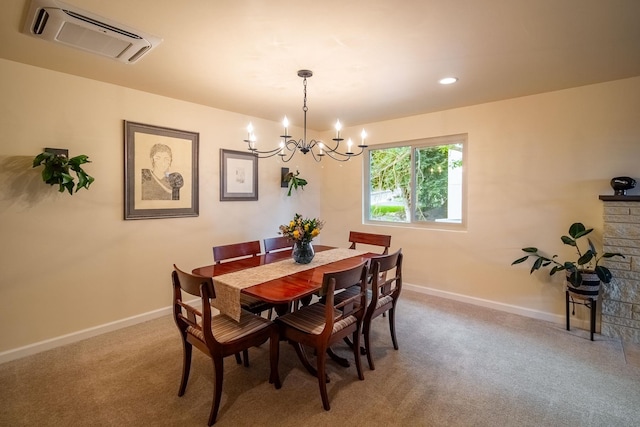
<point x="583" y="276"/>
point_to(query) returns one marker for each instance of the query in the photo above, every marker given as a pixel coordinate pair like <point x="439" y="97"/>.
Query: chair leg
<point x="321" y="362"/>
<point x="218" y="368"/>
<point x="356" y="353"/>
<point x="238" y="359"/>
<point x="367" y="345"/>
<point x="186" y="366"/>
<point x="392" y="326"/>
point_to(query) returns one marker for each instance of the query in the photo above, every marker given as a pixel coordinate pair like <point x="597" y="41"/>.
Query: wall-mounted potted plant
<point x="294" y="181"/>
<point x="58" y="167"/>
<point x="585" y="274"/>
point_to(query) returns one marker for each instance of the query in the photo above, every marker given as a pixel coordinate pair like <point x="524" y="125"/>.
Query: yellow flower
<point x="292" y="224"/>
<point x="306" y="228"/>
<point x="315" y="232"/>
<point x="296" y="234"/>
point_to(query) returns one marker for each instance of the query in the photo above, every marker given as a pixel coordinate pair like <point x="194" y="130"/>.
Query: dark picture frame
<point x="160" y="172"/>
<point x="238" y="175"/>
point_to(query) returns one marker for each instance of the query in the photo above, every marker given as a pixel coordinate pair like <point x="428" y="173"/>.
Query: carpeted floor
<point x="458" y="365"/>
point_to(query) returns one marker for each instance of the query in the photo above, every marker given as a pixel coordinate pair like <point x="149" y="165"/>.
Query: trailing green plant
<point x="294" y="181"/>
<point x="57" y="170"/>
<point x="588" y="260"/>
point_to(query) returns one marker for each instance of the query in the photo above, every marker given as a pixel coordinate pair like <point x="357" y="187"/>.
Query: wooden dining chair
<point x="273" y="244"/>
<point x="243" y="250"/>
<point x="217" y="336"/>
<point x="236" y="250"/>
<point x="386" y="271"/>
<point x="382" y="240"/>
<point x="321" y="325"/>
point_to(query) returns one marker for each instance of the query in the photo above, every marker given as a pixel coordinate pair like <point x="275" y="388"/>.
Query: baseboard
<point x="49" y="344"/>
<point x="526" y="312"/>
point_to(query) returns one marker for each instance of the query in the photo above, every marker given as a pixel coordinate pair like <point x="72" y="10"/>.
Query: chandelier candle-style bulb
<point x="338" y="129"/>
<point x="289" y="146"/>
<point x="249" y="133"/>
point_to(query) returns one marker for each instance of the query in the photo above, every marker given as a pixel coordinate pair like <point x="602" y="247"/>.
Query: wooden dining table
<point x="284" y="290"/>
<point x="290" y="288"/>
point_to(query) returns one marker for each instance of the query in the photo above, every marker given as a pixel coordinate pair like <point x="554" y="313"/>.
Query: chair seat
<point x="349" y="292"/>
<point x="254" y="305"/>
<point x="311" y="319"/>
<point x="225" y="329"/>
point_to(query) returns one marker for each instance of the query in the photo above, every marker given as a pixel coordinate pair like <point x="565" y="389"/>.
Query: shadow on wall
<point x="21" y="182"/>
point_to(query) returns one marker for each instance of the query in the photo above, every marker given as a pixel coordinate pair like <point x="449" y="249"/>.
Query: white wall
<point x="535" y="165"/>
<point x="70" y="263"/>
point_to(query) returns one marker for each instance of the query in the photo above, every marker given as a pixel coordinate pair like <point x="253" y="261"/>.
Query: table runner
<point x="228" y="286"/>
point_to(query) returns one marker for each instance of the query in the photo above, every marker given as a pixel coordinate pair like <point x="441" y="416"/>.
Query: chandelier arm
<point x="333" y="153"/>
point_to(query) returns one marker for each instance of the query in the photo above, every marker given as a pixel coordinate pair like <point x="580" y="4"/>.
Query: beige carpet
<point x="458" y="365"/>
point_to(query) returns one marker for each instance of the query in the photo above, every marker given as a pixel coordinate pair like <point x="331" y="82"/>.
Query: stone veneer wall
<point x="621" y="297"/>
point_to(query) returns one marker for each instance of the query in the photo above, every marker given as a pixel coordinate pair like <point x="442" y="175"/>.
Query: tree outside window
<point x="427" y="171"/>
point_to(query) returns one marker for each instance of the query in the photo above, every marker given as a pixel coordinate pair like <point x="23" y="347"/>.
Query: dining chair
<point x="382" y="240"/>
<point x="320" y="325"/>
<point x="217" y="336"/>
<point x="386" y="271"/>
<point x="243" y="250"/>
<point x="382" y="295"/>
<point x="279" y="243"/>
<point x="236" y="250"/>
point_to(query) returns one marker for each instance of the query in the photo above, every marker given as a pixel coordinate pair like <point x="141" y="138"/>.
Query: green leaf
<point x="536" y="265"/>
<point x="568" y="241"/>
<point x="519" y="260"/>
<point x="611" y="255"/>
<point x="575" y="229"/>
<point x="584" y="259"/>
<point x="604" y="274"/>
<point x="530" y="249"/>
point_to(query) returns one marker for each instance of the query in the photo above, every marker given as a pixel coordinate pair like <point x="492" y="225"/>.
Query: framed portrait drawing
<point x="238" y="175"/>
<point x="160" y="172"/>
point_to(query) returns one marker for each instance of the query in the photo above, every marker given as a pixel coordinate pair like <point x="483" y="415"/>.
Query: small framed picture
<point x="160" y="173"/>
<point x="238" y="175"/>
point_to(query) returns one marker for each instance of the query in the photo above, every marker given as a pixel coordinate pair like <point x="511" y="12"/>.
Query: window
<point x="427" y="171"/>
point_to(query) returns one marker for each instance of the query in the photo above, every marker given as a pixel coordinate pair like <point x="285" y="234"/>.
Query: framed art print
<point x="160" y="173"/>
<point x="238" y="175"/>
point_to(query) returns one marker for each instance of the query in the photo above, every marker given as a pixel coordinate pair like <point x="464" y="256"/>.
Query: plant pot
<point x="303" y="252"/>
<point x="589" y="287"/>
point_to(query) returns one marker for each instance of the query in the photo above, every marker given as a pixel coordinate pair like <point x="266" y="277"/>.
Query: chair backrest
<point x="354" y="305"/>
<point x="185" y="315"/>
<point x="272" y="244"/>
<point x="386" y="282"/>
<point x="382" y="240"/>
<point x="236" y="250"/>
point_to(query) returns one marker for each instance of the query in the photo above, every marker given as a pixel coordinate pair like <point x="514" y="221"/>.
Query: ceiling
<point x="372" y="60"/>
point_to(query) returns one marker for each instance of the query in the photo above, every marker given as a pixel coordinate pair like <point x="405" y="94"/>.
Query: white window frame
<point x="417" y="144"/>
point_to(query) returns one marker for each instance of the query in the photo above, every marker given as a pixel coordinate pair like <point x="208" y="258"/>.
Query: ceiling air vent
<point x="58" y="22"/>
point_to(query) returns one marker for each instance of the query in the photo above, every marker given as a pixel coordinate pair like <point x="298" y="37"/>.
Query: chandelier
<point x="318" y="149"/>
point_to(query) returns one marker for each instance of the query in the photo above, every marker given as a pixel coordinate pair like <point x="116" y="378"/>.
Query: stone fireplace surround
<point x="620" y="299"/>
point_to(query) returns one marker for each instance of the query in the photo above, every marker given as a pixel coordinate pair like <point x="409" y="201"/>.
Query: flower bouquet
<point x="302" y="231"/>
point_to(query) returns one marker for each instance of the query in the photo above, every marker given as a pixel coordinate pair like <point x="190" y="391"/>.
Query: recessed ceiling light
<point x="448" y="80"/>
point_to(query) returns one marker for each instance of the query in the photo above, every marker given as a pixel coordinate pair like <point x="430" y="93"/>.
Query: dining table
<point x="293" y="282"/>
<point x="275" y="278"/>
